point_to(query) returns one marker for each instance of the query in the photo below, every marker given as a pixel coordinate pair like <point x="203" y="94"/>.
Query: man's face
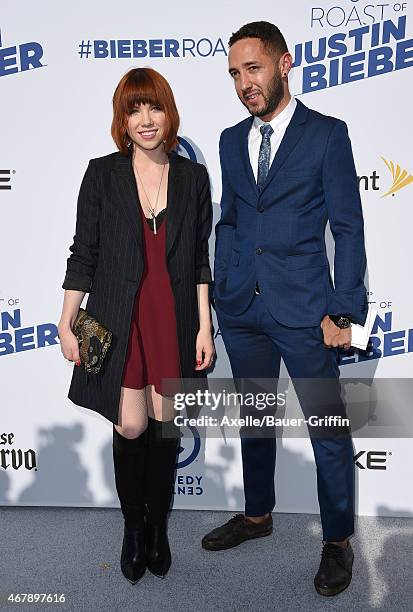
<point x="257" y="77"/>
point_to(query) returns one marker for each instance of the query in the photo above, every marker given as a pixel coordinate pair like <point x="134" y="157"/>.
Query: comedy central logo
<point x="400" y="177"/>
<point x="186" y="149"/>
<point x="189" y="448"/>
<point x="19" y="58"/>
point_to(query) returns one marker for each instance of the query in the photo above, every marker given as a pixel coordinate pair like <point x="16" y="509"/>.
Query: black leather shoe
<point x="132" y="560"/>
<point x="334" y="574"/>
<point x="236" y="530"/>
<point x="158" y="553"/>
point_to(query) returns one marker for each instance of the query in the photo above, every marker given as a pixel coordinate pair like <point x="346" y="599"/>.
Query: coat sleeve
<point x="224" y="229"/>
<point x="82" y="262"/>
<point x="202" y="266"/>
<point x="345" y="215"/>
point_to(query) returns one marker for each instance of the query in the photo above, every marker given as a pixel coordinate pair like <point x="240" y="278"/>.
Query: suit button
<point x="258" y="251"/>
<point x="260" y="209"/>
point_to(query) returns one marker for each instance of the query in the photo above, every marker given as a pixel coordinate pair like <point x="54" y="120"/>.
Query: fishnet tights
<point x="136" y="405"/>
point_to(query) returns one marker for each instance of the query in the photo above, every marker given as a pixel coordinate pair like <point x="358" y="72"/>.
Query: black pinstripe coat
<point x="107" y="261"/>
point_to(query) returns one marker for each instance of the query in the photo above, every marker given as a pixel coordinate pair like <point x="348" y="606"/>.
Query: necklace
<point x="152" y="209"/>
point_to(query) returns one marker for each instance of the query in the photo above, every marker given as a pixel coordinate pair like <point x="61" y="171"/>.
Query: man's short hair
<point x="268" y="33"/>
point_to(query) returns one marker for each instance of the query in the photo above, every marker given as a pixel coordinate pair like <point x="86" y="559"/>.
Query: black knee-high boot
<point x="159" y="482"/>
<point x="129" y="458"/>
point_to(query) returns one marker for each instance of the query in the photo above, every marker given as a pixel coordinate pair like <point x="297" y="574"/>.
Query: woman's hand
<point x="69" y="344"/>
<point x="205" y="349"/>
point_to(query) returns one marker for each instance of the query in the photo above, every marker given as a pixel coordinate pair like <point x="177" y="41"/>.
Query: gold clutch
<point x="94" y="340"/>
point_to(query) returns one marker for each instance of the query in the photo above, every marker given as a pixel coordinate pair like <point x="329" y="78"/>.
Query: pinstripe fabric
<point x="106" y="261"/>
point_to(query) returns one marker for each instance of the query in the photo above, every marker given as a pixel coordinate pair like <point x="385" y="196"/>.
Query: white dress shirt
<point x="279" y="124"/>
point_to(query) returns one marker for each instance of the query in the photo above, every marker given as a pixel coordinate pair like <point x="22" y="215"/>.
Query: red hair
<point x="143" y="86"/>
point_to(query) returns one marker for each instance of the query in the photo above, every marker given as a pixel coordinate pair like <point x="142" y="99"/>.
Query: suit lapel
<point x="178" y="196"/>
<point x="125" y="195"/>
<point x="293" y="133"/>
<point x="245" y="157"/>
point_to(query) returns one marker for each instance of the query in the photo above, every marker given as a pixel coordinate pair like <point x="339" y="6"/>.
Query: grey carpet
<point x="76" y="551"/>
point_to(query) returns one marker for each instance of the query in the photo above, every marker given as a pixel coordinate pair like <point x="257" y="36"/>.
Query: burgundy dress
<point x="153" y="350"/>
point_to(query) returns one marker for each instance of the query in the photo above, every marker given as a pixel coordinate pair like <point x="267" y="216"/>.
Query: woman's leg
<point x="159" y="408"/>
<point x="129" y="453"/>
<point x="129" y="459"/>
<point x="160" y="476"/>
<point x="133" y="413"/>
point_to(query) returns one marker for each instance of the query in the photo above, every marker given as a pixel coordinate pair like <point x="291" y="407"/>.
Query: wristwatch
<point x="342" y="321"/>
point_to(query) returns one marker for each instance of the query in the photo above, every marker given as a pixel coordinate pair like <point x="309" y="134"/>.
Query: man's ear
<point x="285" y="64"/>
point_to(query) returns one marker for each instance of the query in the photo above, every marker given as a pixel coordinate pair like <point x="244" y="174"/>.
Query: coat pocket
<point x="235" y="257"/>
<point x="308" y="260"/>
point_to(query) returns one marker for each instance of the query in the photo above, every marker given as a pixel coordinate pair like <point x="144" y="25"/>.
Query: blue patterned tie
<point x="264" y="154"/>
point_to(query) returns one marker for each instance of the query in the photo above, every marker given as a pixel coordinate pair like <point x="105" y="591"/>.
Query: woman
<point x="140" y="249"/>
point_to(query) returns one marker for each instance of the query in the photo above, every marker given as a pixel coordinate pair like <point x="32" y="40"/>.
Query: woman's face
<point x="146" y="126"/>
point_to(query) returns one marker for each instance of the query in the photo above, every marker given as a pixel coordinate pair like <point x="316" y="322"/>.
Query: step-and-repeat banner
<point x="59" y="65"/>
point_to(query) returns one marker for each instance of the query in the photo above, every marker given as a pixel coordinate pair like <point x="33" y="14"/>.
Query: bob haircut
<point x="143" y="86"/>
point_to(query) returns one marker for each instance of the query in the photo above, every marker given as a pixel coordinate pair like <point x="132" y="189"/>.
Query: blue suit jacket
<point x="277" y="236"/>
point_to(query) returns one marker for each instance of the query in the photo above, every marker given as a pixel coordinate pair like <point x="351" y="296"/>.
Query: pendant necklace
<point x="152" y="210"/>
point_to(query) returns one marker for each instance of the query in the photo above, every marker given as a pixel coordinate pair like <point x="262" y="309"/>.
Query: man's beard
<point x="274" y="96"/>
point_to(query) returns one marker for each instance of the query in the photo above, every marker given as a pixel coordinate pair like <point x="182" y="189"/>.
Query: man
<point x="286" y="171"/>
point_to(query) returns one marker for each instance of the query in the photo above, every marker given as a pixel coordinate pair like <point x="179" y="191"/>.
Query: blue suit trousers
<point x="255" y="343"/>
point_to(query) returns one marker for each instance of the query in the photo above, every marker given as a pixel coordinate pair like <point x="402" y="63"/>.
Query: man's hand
<point x="334" y="336"/>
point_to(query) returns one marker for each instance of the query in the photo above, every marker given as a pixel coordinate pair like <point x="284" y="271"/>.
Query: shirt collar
<point x="280" y="121"/>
